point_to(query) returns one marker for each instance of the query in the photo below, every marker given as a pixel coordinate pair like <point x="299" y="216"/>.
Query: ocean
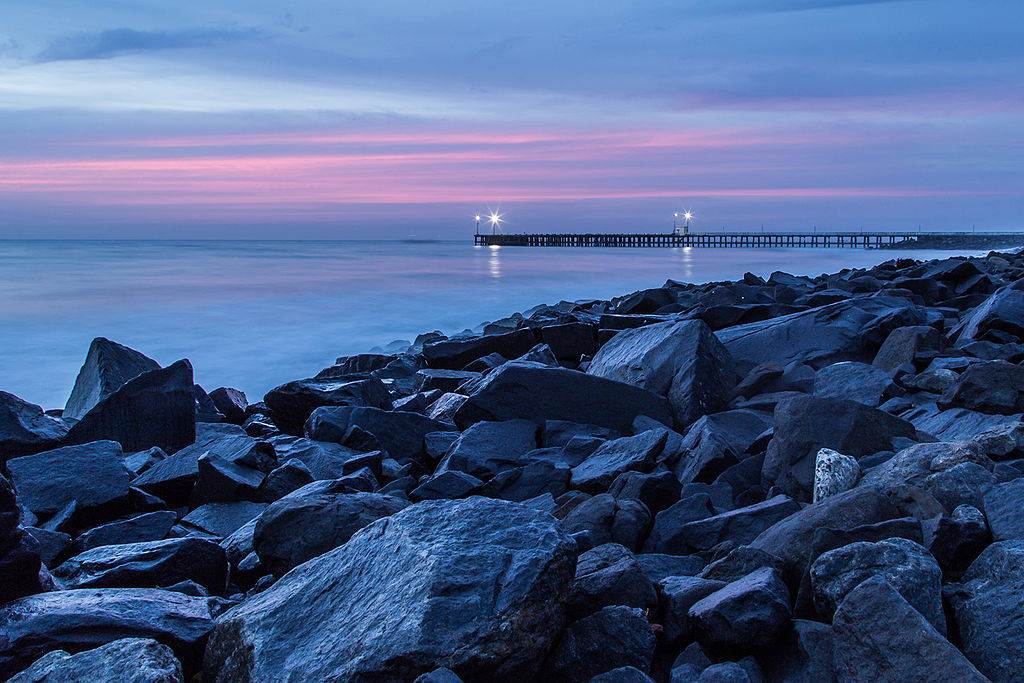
<point x="255" y="314"/>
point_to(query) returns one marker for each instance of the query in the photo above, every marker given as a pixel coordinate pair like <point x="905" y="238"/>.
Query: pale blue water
<point x="255" y="314"/>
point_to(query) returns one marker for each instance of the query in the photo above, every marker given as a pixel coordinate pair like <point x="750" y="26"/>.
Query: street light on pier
<point x="477" y="224"/>
<point x="495" y="220"/>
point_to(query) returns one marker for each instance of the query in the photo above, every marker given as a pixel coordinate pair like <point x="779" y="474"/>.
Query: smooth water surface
<point x="255" y="314"/>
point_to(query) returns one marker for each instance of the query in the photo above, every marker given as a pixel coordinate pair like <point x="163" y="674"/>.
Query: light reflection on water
<point x="255" y="314"/>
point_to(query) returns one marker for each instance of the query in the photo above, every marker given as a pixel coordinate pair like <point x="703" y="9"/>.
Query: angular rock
<point x="905" y="565"/>
<point x="714" y="443"/>
<point x="79" y="619"/>
<point x="92" y="475"/>
<point x="958" y="539"/>
<point x="804" y="655"/>
<point x="1004" y="508"/>
<point x="855" y="381"/>
<point x="748" y="613"/>
<point x="612" y="458"/>
<point x="834" y="473"/>
<point x="538" y="393"/>
<point x="292" y="475"/>
<point x="222" y="519"/>
<point x="108" y="366"/>
<point x="878" y="636"/>
<point x="608" y="575"/>
<point x="608" y="639"/>
<point x="624" y="674"/>
<point x="399" y="433"/>
<point x="1003" y="312"/>
<point x="450" y="484"/>
<point x="990" y="387"/>
<point x="913" y="344"/>
<point x="739" y="562"/>
<point x="443" y="380"/>
<point x="486" y="448"/>
<point x="222" y="481"/>
<point x="678" y="594"/>
<point x="657" y="490"/>
<point x="157" y="408"/>
<point x="25" y="428"/>
<point x="153" y="564"/>
<point x="455" y="354"/>
<point x="739" y="526"/>
<point x="232" y="403"/>
<point x="151" y="526"/>
<point x="19" y="552"/>
<point x="683" y="361"/>
<point x="324" y="460"/>
<point x="534" y="479"/>
<point x="602" y="519"/>
<point x="473" y="585"/>
<point x="667" y="532"/>
<point x="307" y="523"/>
<point x="912" y="466"/>
<point x="570" y="341"/>
<point x="293" y="402"/>
<point x="129" y="660"/>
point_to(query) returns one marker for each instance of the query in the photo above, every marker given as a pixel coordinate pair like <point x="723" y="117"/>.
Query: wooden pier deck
<point x="762" y="240"/>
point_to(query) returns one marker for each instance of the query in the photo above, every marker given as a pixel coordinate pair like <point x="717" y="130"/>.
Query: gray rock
<point x="455" y="354"/>
<point x="804" y="655"/>
<point x="683" y="361"/>
<point x="990" y="387"/>
<point x="716" y="442"/>
<point x="918" y="343"/>
<point x="324" y="460"/>
<point x="20" y="559"/>
<point x="450" y="484"/>
<point x="667" y="535"/>
<point x="473" y="585"/>
<point x="232" y="403"/>
<point x="738" y="563"/>
<point x="536" y="478"/>
<point x="878" y="636"/>
<point x="1001" y="312"/>
<point x="486" y="448"/>
<point x="25" y="428"/>
<point x="961" y="484"/>
<point x="428" y="379"/>
<point x="156" y="408"/>
<point x="108" y="365"/>
<point x="293" y="402"/>
<point x="606" y="520"/>
<point x="748" y="613"/>
<point x="129" y="660"/>
<point x="608" y="575"/>
<point x="912" y="466"/>
<point x="612" y="458"/>
<point x="151" y="526"/>
<point x="678" y="594"/>
<point x="308" y="522"/>
<point x="657" y="490"/>
<point x="624" y="674"/>
<point x="740" y="526"/>
<point x="222" y="519"/>
<point x="905" y="565"/>
<point x="399" y="433"/>
<point x="957" y="539"/>
<point x="609" y="639"/>
<point x="659" y="566"/>
<point x="834" y="473"/>
<point x="292" y="475"/>
<point x="570" y="341"/>
<point x="440" y="675"/>
<point x="222" y="481"/>
<point x="855" y="381"/>
<point x="52" y="545"/>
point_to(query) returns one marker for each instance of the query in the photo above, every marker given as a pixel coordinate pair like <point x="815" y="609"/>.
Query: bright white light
<point x="687" y="215"/>
<point x="478" y="217"/>
<point x="494" y="218"/>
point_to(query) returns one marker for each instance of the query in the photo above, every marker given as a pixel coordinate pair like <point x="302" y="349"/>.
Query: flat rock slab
<point x="223" y="519"/>
<point x="473" y="585"/>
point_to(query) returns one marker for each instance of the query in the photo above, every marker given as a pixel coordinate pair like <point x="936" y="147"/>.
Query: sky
<point x="317" y="119"/>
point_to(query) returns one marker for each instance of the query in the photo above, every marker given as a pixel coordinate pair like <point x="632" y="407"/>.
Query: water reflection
<point x="495" y="263"/>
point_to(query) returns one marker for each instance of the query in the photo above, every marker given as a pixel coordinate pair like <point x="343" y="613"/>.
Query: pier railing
<point x="764" y="240"/>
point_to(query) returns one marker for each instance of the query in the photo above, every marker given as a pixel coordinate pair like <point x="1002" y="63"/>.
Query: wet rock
<point x="806" y="424"/>
<point x="608" y="575"/>
<point x="231" y="403"/>
<point x="313" y="520"/>
<point x="905" y="565"/>
<point x="399" y="433"/>
<point x="293" y="402"/>
<point x="151" y="526"/>
<point x="612" y="458"/>
<point x="989" y="612"/>
<point x="108" y="366"/>
<point x="473" y="585"/>
<point x="1001" y="313"/>
<point x="455" y="354"/>
<point x="157" y="408"/>
<point x="25" y="429"/>
<point x="608" y="639"/>
<point x="834" y="473"/>
<point x="602" y="519"/>
<point x="152" y="564"/>
<point x="683" y="361"/>
<point x="92" y="475"/>
<point x="79" y="619"/>
<point x="539" y="393"/>
<point x="486" y="448"/>
<point x="855" y="381"/>
<point x="878" y="636"/>
<point x="570" y="341"/>
<point x="748" y="613"/>
<point x="131" y="660"/>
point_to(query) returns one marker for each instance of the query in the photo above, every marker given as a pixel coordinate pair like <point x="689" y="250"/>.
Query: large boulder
<point x="748" y="613"/>
<point x="398" y="432"/>
<point x="846" y="330"/>
<point x="292" y="402"/>
<point x="325" y="460"/>
<point x="313" y="520"/>
<point x="609" y="575"/>
<point x="1003" y="312"/>
<point x="684" y="361"/>
<point x="157" y="408"/>
<point x="129" y="660"/>
<point x="603" y="519"/>
<point x="455" y="354"/>
<point x="149" y="526"/>
<point x="989" y="612"/>
<point x="473" y="585"/>
<point x="153" y="564"/>
<point x="739" y="526"/>
<point x="914" y="344"/>
<point x="806" y="424"/>
<point x="678" y="594"/>
<point x="878" y="636"/>
<point x="855" y="381"/>
<point x="716" y="442"/>
<point x="1004" y="508"/>
<point x="535" y="392"/>
<point x="487" y="448"/>
<point x="913" y="466"/>
<point x="612" y="458"/>
<point x="84" y="618"/>
<point x="92" y="475"/>
<point x="905" y="565"/>
<point x="25" y="428"/>
<point x="611" y="638"/>
<point x="989" y="387"/>
<point x="108" y="365"/>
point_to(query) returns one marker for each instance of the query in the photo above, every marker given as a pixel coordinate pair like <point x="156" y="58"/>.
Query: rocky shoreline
<point x="774" y="479"/>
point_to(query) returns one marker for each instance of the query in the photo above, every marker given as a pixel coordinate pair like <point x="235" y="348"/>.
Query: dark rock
<point x="311" y="521"/>
<point x="541" y="353"/>
<point x="222" y="519"/>
<point x="445" y="407"/>
<point x="806" y="424"/>
<point x="739" y="526"/>
<point x="455" y="354"/>
<point x="989" y="612"/>
<point x="624" y="674"/>
<point x="683" y="361"/>
<point x="152" y="564"/>
<point x="804" y="655"/>
<point x="440" y="675"/>
<point x="1003" y="312"/>
<point x="905" y="565"/>
<point x="630" y="453"/>
<point x="606" y="520"/>
<point x="140" y="461"/>
<point x="486" y="603"/>
<point x="1004" y="508"/>
<point x="399" y="433"/>
<point x="486" y="448"/>
<point x="738" y="563"/>
<point x="608" y="575"/>
<point x="152" y="526"/>
<point x="292" y="475"/>
<point x="25" y="429"/>
<point x="19" y="552"/>
<point x="92" y="475"/>
<point x="52" y="544"/>
<point x="657" y="490"/>
<point x="990" y="387"/>
<point x="231" y="403"/>
<point x="108" y="366"/>
<point x="961" y="484"/>
<point x="325" y="460"/>
<point x="609" y="639"/>
<point x="878" y="636"/>
<point x="791" y="539"/>
<point x="667" y="532"/>
<point x="957" y="423"/>
<point x="561" y="432"/>
<point x="132" y="660"/>
<point x="658" y="566"/>
<point x="206" y="409"/>
<point x="957" y="539"/>
<point x="570" y="341"/>
<point x="689" y="665"/>
<point x="449" y="484"/>
<point x="539" y="393"/>
<point x="157" y="408"/>
<point x="220" y="480"/>
<point x="915" y="465"/>
<point x="757" y="379"/>
<point x="293" y="402"/>
<point x="75" y="620"/>
<point x="855" y="381"/>
<point x="534" y="479"/>
<point x="678" y="594"/>
<point x="748" y="613"/>
<point x="917" y="344"/>
<point x="714" y="443"/>
<point x="429" y="379"/>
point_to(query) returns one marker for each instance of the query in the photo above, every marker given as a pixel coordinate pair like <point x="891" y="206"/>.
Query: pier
<point x="762" y="240"/>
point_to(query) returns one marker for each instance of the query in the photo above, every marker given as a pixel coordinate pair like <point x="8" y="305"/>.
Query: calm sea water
<point x="255" y="314"/>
